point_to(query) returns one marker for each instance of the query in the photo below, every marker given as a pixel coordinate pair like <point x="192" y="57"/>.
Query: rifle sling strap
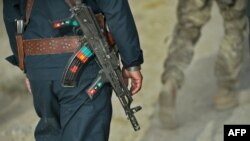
<point x="29" y="6"/>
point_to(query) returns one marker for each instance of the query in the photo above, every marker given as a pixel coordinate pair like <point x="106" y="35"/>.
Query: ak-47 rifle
<point x="94" y="44"/>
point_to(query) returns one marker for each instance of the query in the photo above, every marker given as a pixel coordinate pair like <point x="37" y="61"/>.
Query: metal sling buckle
<point x="19" y="26"/>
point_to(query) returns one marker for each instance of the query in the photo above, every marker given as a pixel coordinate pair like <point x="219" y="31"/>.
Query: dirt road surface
<point x="197" y="119"/>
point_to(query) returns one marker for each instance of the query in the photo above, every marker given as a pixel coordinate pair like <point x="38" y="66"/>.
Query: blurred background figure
<point x="192" y="15"/>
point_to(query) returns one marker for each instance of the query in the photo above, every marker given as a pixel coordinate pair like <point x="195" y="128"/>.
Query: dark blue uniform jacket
<point x="118" y="16"/>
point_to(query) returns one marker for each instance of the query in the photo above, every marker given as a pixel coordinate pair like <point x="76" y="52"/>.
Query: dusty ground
<point x="197" y="119"/>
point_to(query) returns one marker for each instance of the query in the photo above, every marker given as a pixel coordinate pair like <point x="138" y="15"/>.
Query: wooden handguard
<point x="101" y="20"/>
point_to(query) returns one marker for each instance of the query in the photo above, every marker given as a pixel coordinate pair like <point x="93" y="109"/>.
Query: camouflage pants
<point x="192" y="15"/>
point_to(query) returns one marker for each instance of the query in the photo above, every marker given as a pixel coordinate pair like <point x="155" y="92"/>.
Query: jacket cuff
<point x="138" y="62"/>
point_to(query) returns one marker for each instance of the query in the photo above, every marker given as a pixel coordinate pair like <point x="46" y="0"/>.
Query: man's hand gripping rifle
<point x="106" y="58"/>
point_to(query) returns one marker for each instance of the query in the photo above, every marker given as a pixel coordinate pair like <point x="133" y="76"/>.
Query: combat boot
<point x="226" y="98"/>
<point x="167" y="105"/>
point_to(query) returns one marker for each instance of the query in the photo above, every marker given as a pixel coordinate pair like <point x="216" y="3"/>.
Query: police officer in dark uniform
<point x="67" y="114"/>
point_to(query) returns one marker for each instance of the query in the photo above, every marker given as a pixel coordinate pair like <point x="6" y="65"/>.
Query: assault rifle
<point x="95" y="44"/>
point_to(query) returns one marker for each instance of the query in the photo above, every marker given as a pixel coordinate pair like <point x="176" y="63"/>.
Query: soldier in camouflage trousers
<point x="192" y="16"/>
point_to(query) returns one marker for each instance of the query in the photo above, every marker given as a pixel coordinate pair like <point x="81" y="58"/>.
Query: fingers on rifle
<point x="136" y="86"/>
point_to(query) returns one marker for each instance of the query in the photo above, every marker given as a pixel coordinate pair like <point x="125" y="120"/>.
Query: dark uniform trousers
<point x="68" y="114"/>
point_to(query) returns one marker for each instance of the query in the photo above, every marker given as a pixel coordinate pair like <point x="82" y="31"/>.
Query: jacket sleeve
<point x="122" y="26"/>
<point x="11" y="11"/>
